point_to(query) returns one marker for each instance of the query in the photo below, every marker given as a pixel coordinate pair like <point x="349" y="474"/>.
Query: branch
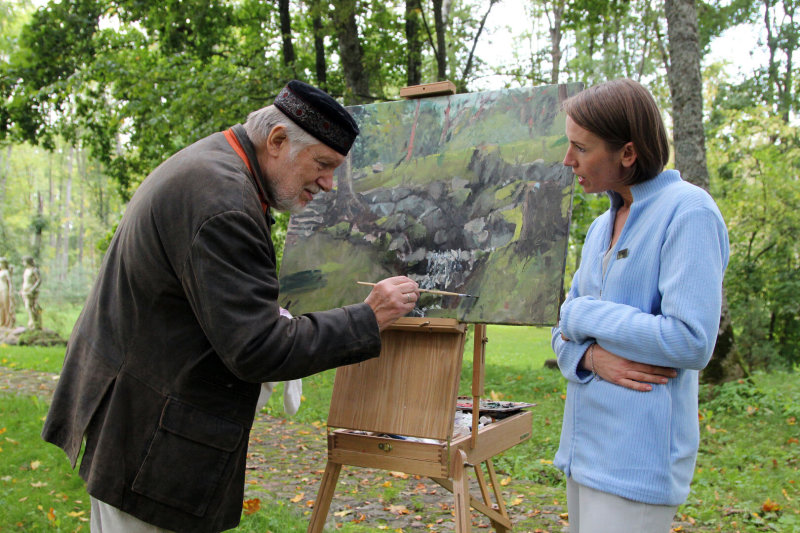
<point x="468" y="66"/>
<point x="428" y="31"/>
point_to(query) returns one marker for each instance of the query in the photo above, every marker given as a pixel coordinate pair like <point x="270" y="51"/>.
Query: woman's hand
<point x="623" y="372"/>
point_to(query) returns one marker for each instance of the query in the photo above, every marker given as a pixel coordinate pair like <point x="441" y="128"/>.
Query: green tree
<point x="755" y="155"/>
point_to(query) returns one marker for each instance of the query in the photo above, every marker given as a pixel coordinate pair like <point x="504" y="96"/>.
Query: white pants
<point x="593" y="511"/>
<point x="108" y="519"/>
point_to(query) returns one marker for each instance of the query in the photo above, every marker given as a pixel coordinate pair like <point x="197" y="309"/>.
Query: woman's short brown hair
<point x="622" y="111"/>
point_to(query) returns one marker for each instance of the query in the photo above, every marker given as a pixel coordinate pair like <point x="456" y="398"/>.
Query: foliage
<point x="126" y="84"/>
<point x="40" y="215"/>
<point x="748" y="455"/>
<point x="754" y="157"/>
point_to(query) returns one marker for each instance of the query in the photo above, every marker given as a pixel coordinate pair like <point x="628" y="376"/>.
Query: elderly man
<point x="164" y="365"/>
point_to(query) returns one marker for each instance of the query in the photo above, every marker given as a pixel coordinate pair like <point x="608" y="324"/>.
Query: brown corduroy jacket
<point x="163" y="367"/>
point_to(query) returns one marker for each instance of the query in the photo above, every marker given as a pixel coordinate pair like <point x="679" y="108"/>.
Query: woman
<point x="640" y="320"/>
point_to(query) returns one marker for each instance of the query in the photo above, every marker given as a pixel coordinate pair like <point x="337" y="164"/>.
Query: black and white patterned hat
<point x="319" y="114"/>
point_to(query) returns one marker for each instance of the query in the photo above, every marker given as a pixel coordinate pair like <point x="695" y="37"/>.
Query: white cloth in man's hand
<point x="292" y="390"/>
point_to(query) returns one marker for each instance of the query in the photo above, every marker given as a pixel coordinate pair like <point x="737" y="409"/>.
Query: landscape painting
<point x="463" y="193"/>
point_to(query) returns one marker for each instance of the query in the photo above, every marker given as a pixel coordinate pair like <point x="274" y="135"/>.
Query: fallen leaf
<point x="769" y="506"/>
<point x="38" y="484"/>
<point x="76" y="514"/>
<point x="505" y="481"/>
<point x="342" y="513"/>
<point x="251" y="506"/>
<point x="298" y="497"/>
<point x="398" y="509"/>
<point x="401" y="475"/>
<point x="51" y="515"/>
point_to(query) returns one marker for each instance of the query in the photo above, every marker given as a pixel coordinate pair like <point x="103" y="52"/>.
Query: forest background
<point x="94" y="94"/>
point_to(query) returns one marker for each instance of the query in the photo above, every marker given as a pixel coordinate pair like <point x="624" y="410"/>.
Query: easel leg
<point x="501" y="506"/>
<point x="499" y="527"/>
<point x="461" y="494"/>
<point x="323" y="503"/>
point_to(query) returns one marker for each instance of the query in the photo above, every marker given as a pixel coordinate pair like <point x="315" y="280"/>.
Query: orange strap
<point x="237" y="147"/>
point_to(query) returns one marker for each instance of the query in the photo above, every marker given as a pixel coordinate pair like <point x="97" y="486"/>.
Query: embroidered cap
<point x="318" y="114"/>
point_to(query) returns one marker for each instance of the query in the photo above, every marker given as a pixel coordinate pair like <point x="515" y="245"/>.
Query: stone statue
<point x="7" y="307"/>
<point x="31" y="280"/>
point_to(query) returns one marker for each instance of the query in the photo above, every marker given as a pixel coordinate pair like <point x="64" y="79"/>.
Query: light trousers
<point x="594" y="511"/>
<point x="108" y="519"/>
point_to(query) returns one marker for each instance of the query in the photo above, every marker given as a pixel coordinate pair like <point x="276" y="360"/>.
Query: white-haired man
<point x="164" y="365"/>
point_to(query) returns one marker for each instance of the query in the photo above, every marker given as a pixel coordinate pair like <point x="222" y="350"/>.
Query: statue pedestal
<point x="23" y="336"/>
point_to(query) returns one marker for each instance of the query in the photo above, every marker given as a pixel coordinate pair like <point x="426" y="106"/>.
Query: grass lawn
<point x="746" y="480"/>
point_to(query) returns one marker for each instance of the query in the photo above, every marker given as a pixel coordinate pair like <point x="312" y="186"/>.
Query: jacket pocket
<point x="187" y="457"/>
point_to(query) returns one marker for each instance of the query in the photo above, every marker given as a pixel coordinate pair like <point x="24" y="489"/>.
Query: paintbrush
<point x="430" y="291"/>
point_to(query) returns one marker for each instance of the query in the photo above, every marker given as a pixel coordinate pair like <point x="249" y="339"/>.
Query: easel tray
<point x="492" y="408"/>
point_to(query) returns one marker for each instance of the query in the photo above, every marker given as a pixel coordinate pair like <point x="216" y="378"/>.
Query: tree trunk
<point x="51" y="209"/>
<point x="320" y="64"/>
<point x="37" y="230"/>
<point x="286" y="35"/>
<point x="66" y="222"/>
<point x="4" y="177"/>
<point x="355" y="76"/>
<point x="555" y="39"/>
<point x="413" y="43"/>
<point x="3" y="180"/>
<point x="82" y="177"/>
<point x="686" y="89"/>
<point x="440" y="49"/>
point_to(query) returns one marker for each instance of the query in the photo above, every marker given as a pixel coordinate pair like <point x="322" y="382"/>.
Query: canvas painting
<point x="463" y="193"/>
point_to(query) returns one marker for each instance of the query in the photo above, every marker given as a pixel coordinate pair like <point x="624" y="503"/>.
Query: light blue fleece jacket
<point x="659" y="303"/>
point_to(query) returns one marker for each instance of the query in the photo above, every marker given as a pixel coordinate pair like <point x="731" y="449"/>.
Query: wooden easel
<point x="411" y="390"/>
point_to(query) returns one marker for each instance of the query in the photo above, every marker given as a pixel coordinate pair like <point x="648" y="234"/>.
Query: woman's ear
<point x="628" y="156"/>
